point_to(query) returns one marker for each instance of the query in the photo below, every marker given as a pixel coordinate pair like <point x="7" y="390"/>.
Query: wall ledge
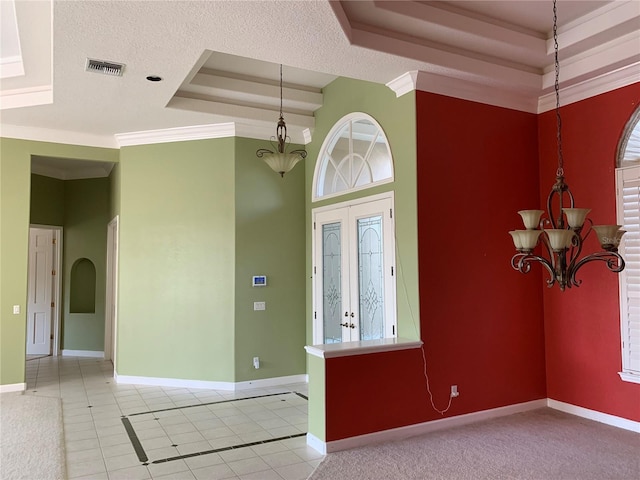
<point x="629" y="377"/>
<point x="347" y="349"/>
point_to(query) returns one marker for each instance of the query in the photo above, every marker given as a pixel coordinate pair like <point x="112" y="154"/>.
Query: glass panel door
<point x="354" y="287"/>
<point x="370" y="278"/>
<point x="331" y="282"/>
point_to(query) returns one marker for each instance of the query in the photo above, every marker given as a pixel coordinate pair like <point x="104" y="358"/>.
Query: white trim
<point x="230" y="386"/>
<point x="421" y="428"/>
<point x="594" y="415"/>
<point x="13" y="387"/>
<point x="26" y="97"/>
<point x="39" y="134"/>
<point x="629" y="377"/>
<point x="179" y="134"/>
<point x="405" y="83"/>
<point x="83" y="353"/>
<point x="11" y="67"/>
<point x="317" y="444"/>
<point x="272" y="382"/>
<point x="346" y="349"/>
<point x="622" y="77"/>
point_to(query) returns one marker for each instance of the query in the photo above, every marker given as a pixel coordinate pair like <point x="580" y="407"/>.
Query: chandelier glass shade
<point x="562" y="230"/>
<point x="279" y="159"/>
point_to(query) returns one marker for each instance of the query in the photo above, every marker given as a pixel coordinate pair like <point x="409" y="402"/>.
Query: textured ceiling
<point x="219" y="59"/>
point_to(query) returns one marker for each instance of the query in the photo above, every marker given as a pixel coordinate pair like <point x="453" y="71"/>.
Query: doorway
<point x="44" y="291"/>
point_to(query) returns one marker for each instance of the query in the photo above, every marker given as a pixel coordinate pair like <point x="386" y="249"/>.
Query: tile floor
<point x="139" y="432"/>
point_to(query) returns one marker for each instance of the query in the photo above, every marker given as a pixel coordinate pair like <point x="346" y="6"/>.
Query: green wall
<point x="47" y="200"/>
<point x="15" y="186"/>
<point x="270" y="240"/>
<point x="397" y="117"/>
<point x="176" y="264"/>
<point x="86" y="215"/>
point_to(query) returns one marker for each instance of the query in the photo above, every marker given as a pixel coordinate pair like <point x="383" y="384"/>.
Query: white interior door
<point x="110" y="323"/>
<point x="39" y="306"/>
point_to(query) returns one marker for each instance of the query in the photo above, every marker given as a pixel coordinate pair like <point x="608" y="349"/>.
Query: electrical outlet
<point x="256" y="362"/>
<point x="454" y="391"/>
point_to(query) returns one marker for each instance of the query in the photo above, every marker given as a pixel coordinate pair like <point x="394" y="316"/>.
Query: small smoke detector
<point x="106" y="68"/>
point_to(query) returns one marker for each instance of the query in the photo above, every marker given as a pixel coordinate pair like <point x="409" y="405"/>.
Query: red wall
<point x="481" y="321"/>
<point x="501" y="336"/>
<point x="582" y="325"/>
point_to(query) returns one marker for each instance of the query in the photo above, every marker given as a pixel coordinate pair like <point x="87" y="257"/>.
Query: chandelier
<point x="562" y="232"/>
<point x="279" y="160"/>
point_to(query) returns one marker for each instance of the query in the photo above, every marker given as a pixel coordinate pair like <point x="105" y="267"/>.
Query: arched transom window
<point x="355" y="155"/>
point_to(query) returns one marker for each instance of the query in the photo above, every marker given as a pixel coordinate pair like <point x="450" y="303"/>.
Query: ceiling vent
<point x="106" y="68"/>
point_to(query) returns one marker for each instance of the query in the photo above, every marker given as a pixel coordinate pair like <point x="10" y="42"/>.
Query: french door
<point x="354" y="277"/>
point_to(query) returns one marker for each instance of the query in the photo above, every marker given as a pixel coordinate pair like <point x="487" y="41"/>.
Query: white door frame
<point x="57" y="284"/>
<point x="111" y="317"/>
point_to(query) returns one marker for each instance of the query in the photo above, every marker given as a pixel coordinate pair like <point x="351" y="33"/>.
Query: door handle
<point x="352" y="326"/>
<point x="353" y="314"/>
<point x="345" y="324"/>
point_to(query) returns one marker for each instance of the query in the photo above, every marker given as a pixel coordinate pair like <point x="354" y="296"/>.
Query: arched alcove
<point x="82" y="293"/>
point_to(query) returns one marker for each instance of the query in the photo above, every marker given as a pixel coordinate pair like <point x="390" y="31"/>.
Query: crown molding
<point x="405" y="83"/>
<point x="622" y="77"/>
<point x="179" y="134"/>
<point x="39" y="134"/>
<point x="26" y="97"/>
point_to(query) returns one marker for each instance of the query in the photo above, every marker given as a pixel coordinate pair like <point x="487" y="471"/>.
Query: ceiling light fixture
<point x="279" y="160"/>
<point x="564" y="236"/>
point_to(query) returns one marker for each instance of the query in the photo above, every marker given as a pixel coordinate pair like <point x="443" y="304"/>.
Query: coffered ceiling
<point x="219" y="60"/>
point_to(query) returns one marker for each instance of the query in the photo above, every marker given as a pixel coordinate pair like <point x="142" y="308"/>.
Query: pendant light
<point x="279" y="159"/>
<point x="562" y="232"/>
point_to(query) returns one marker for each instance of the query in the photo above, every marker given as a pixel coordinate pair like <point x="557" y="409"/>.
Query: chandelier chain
<point x="560" y="171"/>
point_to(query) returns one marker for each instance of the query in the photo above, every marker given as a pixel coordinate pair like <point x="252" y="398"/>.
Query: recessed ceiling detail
<point x="248" y="90"/>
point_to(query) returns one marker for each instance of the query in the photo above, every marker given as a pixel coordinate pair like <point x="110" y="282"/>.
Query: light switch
<point x="16" y="309"/>
<point x="259" y="306"/>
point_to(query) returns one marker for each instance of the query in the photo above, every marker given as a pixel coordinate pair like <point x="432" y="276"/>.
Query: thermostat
<point x="259" y="281"/>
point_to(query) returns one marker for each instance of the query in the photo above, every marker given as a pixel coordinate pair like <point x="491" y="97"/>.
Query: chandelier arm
<point x="522" y="263"/>
<point x="576" y="249"/>
<point x="263" y="151"/>
<point x="614" y="261"/>
<point x="302" y="153"/>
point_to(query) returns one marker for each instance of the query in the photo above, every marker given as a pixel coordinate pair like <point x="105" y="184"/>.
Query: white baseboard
<point x="272" y="382"/>
<point x="420" y="428"/>
<point x="318" y="445"/>
<point x="594" y="415"/>
<point x="231" y="386"/>
<point x="83" y="353"/>
<point x="13" y="387"/>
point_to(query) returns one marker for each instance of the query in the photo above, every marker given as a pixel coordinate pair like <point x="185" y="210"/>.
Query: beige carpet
<point x="31" y="438"/>
<point x="542" y="444"/>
